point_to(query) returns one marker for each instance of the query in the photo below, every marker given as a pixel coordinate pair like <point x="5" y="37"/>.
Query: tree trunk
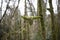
<point x="52" y="21"/>
<point x="58" y="19"/>
<point x="40" y="13"/>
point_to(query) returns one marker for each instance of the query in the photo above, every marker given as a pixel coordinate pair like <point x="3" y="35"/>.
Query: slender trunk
<point x="52" y="21"/>
<point x="25" y="33"/>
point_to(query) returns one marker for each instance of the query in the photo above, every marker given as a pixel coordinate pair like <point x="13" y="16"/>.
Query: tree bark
<point x="52" y="21"/>
<point x="40" y="13"/>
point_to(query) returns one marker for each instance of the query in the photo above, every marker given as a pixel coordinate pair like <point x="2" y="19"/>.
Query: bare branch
<point x="5" y="11"/>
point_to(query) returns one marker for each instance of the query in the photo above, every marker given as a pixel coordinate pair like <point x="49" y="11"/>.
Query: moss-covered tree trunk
<point x="58" y="25"/>
<point x="40" y="13"/>
<point x="58" y="19"/>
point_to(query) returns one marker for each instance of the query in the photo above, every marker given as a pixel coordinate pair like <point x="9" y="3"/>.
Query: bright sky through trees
<point x="54" y="2"/>
<point x="21" y="6"/>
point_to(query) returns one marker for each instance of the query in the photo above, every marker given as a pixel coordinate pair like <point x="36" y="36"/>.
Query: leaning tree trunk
<point x="52" y="21"/>
<point x="40" y="13"/>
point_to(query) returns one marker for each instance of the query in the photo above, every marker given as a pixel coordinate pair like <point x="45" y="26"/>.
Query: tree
<point x="58" y="19"/>
<point x="52" y="21"/>
<point x="39" y="10"/>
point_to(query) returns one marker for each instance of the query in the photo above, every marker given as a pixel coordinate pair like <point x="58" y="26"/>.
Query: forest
<point x="29" y="19"/>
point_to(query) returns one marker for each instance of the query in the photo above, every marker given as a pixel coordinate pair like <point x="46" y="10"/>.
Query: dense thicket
<point x="33" y="25"/>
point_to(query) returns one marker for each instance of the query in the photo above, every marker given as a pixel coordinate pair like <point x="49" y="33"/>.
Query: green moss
<point x="31" y="17"/>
